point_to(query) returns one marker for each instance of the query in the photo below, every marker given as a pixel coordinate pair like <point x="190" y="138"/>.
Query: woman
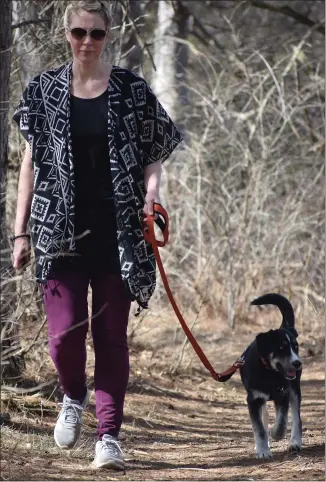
<point x="96" y="137"/>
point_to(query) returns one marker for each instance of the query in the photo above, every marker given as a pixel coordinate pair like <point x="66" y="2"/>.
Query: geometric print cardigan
<point x="140" y="132"/>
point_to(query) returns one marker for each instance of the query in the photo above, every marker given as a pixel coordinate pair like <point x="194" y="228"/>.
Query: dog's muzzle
<point x="289" y="373"/>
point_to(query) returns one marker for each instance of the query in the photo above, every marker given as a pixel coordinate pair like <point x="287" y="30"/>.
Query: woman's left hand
<point x="151" y="198"/>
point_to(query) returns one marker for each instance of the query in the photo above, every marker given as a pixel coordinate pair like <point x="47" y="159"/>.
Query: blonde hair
<point x="92" y="6"/>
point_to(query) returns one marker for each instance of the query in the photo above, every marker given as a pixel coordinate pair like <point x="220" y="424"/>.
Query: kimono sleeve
<point x="21" y="115"/>
<point x="158" y="134"/>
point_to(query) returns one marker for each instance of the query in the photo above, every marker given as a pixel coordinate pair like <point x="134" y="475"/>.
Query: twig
<point x="22" y="391"/>
<point x="185" y="11"/>
<point x="186" y="340"/>
<point x="139" y="39"/>
<point x="27" y="22"/>
<point x="286" y="10"/>
<point x="26" y="349"/>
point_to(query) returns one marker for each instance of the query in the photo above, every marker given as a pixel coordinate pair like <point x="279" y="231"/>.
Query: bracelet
<point x="20" y="236"/>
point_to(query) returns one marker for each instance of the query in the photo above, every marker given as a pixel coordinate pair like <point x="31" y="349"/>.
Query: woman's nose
<point x="88" y="39"/>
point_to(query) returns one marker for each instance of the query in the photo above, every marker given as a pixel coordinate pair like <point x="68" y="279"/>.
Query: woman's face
<point x="86" y="49"/>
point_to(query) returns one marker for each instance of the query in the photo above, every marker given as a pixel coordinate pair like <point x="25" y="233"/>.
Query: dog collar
<point x="282" y="389"/>
<point x="265" y="363"/>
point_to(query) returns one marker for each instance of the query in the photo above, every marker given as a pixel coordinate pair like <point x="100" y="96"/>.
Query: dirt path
<point x="187" y="429"/>
<point x="203" y="433"/>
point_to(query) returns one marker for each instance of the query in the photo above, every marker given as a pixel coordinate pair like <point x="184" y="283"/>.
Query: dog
<point x="272" y="371"/>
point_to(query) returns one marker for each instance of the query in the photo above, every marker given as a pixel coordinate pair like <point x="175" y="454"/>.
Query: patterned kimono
<point x="140" y="132"/>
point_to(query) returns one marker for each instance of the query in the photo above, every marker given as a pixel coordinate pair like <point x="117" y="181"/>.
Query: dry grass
<point x="251" y="184"/>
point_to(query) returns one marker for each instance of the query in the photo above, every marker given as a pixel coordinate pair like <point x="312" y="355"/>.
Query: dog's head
<point x="281" y="350"/>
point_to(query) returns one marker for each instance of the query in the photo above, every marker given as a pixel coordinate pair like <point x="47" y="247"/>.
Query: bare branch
<point x="286" y="10"/>
<point x="27" y="22"/>
<point x="22" y="391"/>
<point x="140" y="41"/>
<point x="185" y="10"/>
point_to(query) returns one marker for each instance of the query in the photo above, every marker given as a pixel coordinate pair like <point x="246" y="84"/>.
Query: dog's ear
<point x="293" y="332"/>
<point x="264" y="343"/>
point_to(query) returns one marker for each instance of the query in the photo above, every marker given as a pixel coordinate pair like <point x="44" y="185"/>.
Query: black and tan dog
<point x="272" y="371"/>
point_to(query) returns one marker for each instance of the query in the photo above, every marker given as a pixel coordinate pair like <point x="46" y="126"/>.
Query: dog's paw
<point x="264" y="455"/>
<point x="277" y="433"/>
<point x="295" y="446"/>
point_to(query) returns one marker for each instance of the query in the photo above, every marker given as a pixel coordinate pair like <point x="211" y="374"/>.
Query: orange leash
<point x="148" y="229"/>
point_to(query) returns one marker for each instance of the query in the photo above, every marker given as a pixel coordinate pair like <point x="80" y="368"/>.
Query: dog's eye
<point x="296" y="347"/>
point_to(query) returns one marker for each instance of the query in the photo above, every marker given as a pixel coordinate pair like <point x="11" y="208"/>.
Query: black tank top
<point x="89" y="132"/>
<point x="94" y="202"/>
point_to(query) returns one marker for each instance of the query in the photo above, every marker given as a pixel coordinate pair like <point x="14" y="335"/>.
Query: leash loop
<point x="162" y="221"/>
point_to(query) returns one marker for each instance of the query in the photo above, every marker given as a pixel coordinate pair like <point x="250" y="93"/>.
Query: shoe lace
<point x="112" y="447"/>
<point x="71" y="411"/>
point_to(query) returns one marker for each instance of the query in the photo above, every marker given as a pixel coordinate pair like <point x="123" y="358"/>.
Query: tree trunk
<point x="171" y="60"/>
<point x="169" y="79"/>
<point x="30" y="51"/>
<point x="11" y="369"/>
<point x="164" y="79"/>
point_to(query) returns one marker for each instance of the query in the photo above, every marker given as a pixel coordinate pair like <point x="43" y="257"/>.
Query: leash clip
<point x="240" y="362"/>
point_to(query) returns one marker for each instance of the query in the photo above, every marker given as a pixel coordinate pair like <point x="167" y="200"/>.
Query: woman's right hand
<point x="21" y="253"/>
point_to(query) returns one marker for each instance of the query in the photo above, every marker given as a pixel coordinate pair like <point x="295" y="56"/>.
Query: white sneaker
<point x="68" y="426"/>
<point x="108" y="454"/>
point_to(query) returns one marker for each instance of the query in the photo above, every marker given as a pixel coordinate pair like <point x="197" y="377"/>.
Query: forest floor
<point x="178" y="425"/>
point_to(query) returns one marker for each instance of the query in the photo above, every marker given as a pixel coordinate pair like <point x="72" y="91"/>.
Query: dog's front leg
<point x="260" y="434"/>
<point x="281" y="419"/>
<point x="296" y="428"/>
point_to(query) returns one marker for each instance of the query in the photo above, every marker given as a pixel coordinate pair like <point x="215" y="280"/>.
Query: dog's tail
<point x="282" y="303"/>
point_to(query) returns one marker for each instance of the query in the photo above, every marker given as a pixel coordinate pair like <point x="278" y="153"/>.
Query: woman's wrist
<point x="21" y="235"/>
<point x="155" y="191"/>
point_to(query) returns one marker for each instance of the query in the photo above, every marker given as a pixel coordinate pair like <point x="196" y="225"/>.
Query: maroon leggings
<point x="67" y="312"/>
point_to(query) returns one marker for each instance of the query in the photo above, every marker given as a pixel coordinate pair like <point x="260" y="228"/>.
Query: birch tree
<point x="171" y="58"/>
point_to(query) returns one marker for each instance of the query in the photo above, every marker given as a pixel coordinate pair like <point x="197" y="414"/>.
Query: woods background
<point x="244" y="82"/>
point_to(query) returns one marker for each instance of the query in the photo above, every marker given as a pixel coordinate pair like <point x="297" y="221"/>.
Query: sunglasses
<point x="96" y="33"/>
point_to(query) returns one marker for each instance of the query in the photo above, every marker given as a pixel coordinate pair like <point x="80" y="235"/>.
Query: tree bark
<point x="30" y="51"/>
<point x="171" y="59"/>
<point x="9" y="333"/>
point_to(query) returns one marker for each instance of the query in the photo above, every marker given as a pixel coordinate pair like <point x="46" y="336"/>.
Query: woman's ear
<point x="264" y="343"/>
<point x="67" y="33"/>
